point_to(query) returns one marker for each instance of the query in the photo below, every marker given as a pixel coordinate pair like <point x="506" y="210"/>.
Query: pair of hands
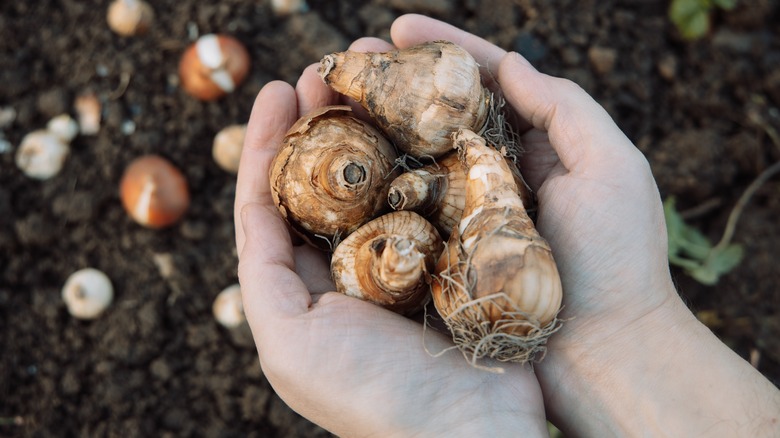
<point x="358" y="370"/>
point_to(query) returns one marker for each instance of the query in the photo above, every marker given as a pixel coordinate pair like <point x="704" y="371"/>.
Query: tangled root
<point x="498" y="129"/>
<point x="477" y="337"/>
<point x="516" y="336"/>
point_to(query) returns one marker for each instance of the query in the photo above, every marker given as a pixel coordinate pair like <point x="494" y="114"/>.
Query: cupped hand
<point x="630" y="358"/>
<point x="600" y="210"/>
<point x="350" y="366"/>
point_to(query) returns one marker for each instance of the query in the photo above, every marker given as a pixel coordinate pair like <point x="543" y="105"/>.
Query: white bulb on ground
<point x="64" y="127"/>
<point x="87" y="293"/>
<point x="41" y="154"/>
<point x="227" y="147"/>
<point x="228" y="307"/>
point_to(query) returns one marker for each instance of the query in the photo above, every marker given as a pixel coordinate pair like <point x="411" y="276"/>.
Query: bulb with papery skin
<point x="331" y="175"/>
<point x="389" y="261"/>
<point x="497" y="286"/>
<point x="214" y="66"/>
<point x="154" y="192"/>
<point x="87" y="293"/>
<point x="41" y="154"/>
<point x="130" y="17"/>
<point x="228" y="307"/>
<point x="227" y="147"/>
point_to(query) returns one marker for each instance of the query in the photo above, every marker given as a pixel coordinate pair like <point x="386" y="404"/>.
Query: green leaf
<point x="692" y="17"/>
<point x="697" y="26"/>
<point x="684" y="240"/>
<point x="725" y="260"/>
<point x="725" y="4"/>
<point x="719" y="262"/>
<point x="693" y="252"/>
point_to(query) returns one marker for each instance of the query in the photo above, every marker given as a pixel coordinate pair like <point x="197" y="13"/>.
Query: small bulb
<point x="154" y="192"/>
<point x="213" y="66"/>
<point x="288" y="7"/>
<point x="228" y="308"/>
<point x="41" y="154"/>
<point x="63" y="127"/>
<point x="88" y="109"/>
<point x="87" y="293"/>
<point x="227" y="147"/>
<point x="130" y="17"/>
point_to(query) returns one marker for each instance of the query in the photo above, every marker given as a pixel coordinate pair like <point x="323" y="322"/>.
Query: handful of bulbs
<point x="460" y="233"/>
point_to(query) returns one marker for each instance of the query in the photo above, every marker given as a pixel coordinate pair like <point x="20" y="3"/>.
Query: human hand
<point x="350" y="366"/>
<point x="630" y="355"/>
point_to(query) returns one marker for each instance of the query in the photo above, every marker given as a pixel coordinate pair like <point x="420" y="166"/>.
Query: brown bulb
<point x="154" y="192"/>
<point x="213" y="66"/>
<point x="497" y="285"/>
<point x="331" y="175"/>
<point x="419" y="96"/>
<point x="389" y="261"/>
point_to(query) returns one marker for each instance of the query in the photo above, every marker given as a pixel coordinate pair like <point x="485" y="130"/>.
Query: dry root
<point x="477" y="337"/>
<point x="498" y="129"/>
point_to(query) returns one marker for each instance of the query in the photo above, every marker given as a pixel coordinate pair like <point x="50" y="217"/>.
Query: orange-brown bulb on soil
<point x="389" y="261"/>
<point x="213" y="66"/>
<point x="330" y="175"/>
<point x="154" y="192"/>
<point x="497" y="286"/>
<point x="418" y="96"/>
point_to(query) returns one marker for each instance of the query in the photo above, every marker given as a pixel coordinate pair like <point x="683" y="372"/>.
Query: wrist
<point x="666" y="374"/>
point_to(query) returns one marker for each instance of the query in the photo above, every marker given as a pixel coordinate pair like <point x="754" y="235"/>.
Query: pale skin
<point x="630" y="360"/>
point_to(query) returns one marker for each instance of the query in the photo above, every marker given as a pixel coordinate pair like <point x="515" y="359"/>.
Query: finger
<point x="314" y="270"/>
<point x="579" y="129"/>
<point x="274" y="111"/>
<point x="538" y="161"/>
<point x="412" y="29"/>
<point x="312" y="92"/>
<point x="266" y="269"/>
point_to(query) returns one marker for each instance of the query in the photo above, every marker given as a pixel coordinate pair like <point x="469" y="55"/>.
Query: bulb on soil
<point x="228" y="307"/>
<point x="213" y="66"/>
<point x="130" y="17"/>
<point x="87" y="293"/>
<point x="227" y="147"/>
<point x="288" y="7"/>
<point x="41" y="154"/>
<point x="88" y="109"/>
<point x="63" y="127"/>
<point x="154" y="192"/>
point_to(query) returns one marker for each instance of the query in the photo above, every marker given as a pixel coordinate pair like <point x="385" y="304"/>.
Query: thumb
<point x="579" y="129"/>
<point x="266" y="268"/>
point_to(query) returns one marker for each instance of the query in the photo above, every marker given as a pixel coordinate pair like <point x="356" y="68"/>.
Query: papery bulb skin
<point x="389" y="262"/>
<point x="497" y="285"/>
<point x="437" y="191"/>
<point x="330" y="176"/>
<point x="418" y="96"/>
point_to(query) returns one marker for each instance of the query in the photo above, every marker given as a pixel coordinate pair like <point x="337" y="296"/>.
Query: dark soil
<point x="157" y="364"/>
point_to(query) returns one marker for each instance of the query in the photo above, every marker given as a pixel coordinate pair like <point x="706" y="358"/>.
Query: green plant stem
<point x="731" y="223"/>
